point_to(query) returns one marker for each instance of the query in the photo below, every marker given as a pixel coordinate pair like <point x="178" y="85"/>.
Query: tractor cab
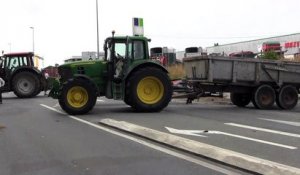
<point x="123" y="53"/>
<point x="12" y="61"/>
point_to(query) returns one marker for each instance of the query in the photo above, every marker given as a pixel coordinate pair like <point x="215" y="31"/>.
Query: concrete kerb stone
<point x="229" y="157"/>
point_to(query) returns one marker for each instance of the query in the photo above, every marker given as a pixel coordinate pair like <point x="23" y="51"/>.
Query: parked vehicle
<point x="165" y="55"/>
<point x="193" y="51"/>
<point x="263" y="82"/>
<point x="20" y="75"/>
<point x="126" y="73"/>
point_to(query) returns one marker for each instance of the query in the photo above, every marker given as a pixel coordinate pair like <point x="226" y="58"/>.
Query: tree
<point x="271" y="55"/>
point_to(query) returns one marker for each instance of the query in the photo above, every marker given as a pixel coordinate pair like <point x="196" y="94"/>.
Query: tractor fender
<point x="55" y="92"/>
<point x="87" y="78"/>
<point x="142" y="65"/>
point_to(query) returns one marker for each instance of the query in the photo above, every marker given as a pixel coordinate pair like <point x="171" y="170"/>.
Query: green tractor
<point x="127" y="73"/>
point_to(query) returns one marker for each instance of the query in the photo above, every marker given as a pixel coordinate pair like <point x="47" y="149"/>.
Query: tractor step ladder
<point x="117" y="91"/>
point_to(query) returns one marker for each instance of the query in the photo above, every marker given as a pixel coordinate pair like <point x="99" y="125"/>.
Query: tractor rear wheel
<point x="149" y="89"/>
<point x="26" y="84"/>
<point x="240" y="99"/>
<point x="77" y="97"/>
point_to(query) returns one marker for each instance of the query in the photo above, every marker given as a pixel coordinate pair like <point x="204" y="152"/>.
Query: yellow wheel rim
<point x="150" y="90"/>
<point x="77" y="97"/>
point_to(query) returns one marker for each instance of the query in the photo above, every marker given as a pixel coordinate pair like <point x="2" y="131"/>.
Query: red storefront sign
<point x="292" y="44"/>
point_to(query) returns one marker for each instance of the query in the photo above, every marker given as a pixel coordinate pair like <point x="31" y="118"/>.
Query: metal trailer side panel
<point x="241" y="71"/>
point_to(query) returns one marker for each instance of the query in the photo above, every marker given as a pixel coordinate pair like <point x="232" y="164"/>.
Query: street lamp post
<point x="9" y="44"/>
<point x="32" y="39"/>
<point x="97" y="30"/>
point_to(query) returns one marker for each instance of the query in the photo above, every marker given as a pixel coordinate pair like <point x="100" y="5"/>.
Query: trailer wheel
<point x="149" y="89"/>
<point x="240" y="99"/>
<point x="78" y="97"/>
<point x="25" y="84"/>
<point x="287" y="98"/>
<point x="264" y="97"/>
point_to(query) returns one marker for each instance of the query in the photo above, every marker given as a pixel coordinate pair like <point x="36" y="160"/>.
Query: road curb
<point x="229" y="157"/>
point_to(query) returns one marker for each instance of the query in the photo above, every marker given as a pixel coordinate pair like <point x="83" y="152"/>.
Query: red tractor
<point x="20" y="75"/>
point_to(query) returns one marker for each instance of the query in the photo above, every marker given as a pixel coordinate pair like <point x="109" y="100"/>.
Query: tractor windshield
<point x="114" y="50"/>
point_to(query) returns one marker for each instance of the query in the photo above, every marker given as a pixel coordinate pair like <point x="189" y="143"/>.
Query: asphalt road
<point x="35" y="140"/>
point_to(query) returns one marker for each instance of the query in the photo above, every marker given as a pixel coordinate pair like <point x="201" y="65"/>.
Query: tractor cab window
<point x="120" y="50"/>
<point x="136" y="50"/>
<point x="12" y="63"/>
<point x="16" y="61"/>
<point x="24" y="61"/>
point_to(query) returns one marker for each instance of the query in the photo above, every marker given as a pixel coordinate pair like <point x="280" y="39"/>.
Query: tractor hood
<point x="90" y="68"/>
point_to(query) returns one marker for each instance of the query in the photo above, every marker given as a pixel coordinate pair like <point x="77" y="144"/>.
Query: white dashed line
<point x="282" y="121"/>
<point x="263" y="130"/>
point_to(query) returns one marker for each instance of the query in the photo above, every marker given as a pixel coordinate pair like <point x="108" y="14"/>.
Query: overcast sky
<point x="65" y="28"/>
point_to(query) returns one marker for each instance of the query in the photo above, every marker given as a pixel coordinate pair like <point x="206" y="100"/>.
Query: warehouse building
<point x="290" y="45"/>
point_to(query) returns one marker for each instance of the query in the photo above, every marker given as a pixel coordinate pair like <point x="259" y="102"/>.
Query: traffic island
<point x="223" y="156"/>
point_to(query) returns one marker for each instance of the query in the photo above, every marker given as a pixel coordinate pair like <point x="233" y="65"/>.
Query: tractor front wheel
<point x="149" y="90"/>
<point x="78" y="97"/>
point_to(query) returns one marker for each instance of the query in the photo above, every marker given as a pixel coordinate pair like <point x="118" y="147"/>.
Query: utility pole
<point x="97" y="30"/>
<point x="9" y="44"/>
<point x="32" y="39"/>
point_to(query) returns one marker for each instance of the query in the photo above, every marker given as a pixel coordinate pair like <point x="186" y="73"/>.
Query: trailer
<point x="262" y="82"/>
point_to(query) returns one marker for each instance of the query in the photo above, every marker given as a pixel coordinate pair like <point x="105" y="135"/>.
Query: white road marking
<point x="56" y="105"/>
<point x="99" y="100"/>
<point x="150" y="145"/>
<point x="264" y="130"/>
<point x="258" y="140"/>
<point x="282" y="121"/>
<point x="190" y="132"/>
<point x="253" y="164"/>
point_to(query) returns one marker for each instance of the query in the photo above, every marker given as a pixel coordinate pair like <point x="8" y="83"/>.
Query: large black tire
<point x="26" y="84"/>
<point x="264" y="97"/>
<point x="78" y="97"/>
<point x="240" y="99"/>
<point x="149" y="90"/>
<point x="38" y="90"/>
<point x="126" y="100"/>
<point x="287" y="98"/>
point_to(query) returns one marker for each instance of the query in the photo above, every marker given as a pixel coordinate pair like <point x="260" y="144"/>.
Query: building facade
<point x="290" y="45"/>
<point x="85" y="56"/>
